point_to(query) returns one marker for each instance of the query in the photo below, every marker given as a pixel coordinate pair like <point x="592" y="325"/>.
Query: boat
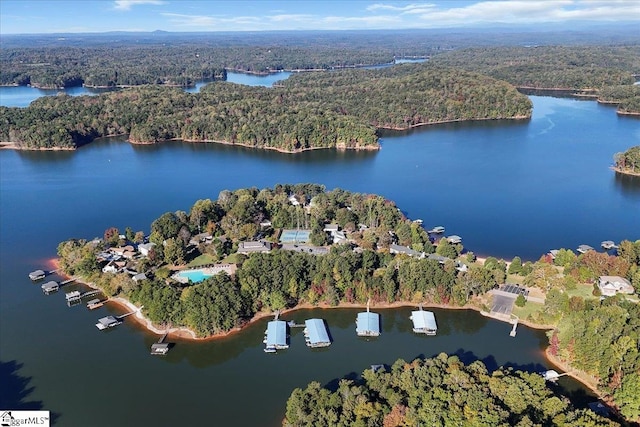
<point x="270" y="350"/>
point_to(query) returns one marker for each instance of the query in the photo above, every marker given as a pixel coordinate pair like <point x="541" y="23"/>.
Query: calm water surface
<point x="506" y="188"/>
<point x="21" y="96"/>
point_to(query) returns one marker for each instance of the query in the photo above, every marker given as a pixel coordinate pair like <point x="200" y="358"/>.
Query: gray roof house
<point x="399" y="249"/>
<point x="611" y="285"/>
<point x="254" y="246"/>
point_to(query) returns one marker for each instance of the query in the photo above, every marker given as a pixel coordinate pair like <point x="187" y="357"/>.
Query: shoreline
<point x="187" y="335"/>
<point x="624" y="171"/>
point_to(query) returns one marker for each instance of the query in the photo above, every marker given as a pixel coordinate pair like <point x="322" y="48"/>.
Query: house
<point x="399" y="249"/>
<point x="265" y="224"/>
<point x="254" y="246"/>
<point x="110" y="267"/>
<point x="139" y="277"/>
<point x="339" y="237"/>
<point x="293" y="200"/>
<point x="144" y="248"/>
<point x="331" y="228"/>
<point x="612" y="285"/>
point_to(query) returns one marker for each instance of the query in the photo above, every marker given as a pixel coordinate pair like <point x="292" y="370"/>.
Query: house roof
<point x="403" y="250"/>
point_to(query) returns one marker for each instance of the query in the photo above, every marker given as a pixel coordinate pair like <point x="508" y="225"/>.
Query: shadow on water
<point x="628" y="184"/>
<point x="211" y="148"/>
<point x="15" y="390"/>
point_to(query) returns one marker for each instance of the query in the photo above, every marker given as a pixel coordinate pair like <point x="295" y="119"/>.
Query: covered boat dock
<point x="276" y="336"/>
<point x="316" y="334"/>
<point x="424" y="322"/>
<point x="50" y="287"/>
<point x="368" y="324"/>
<point x="108" y="322"/>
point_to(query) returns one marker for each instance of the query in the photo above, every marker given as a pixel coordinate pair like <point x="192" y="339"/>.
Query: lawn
<point x="529" y="308"/>
<point x="584" y="291"/>
<point x="203" y="259"/>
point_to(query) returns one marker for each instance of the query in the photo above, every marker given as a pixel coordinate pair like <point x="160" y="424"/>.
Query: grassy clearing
<point x="203" y="259"/>
<point x="529" y="308"/>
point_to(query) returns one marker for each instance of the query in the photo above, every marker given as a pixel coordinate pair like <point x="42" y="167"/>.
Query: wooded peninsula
<point x="360" y="248"/>
<point x="341" y="109"/>
<point x="628" y="162"/>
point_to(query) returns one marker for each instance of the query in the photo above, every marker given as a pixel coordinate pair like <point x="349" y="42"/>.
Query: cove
<point x="506" y="188"/>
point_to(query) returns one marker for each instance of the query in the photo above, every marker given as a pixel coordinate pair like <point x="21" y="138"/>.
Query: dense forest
<point x="553" y="67"/>
<point x="629" y="161"/>
<point x="441" y="391"/>
<point x="599" y="337"/>
<point x="340" y="109"/>
<point x="181" y="59"/>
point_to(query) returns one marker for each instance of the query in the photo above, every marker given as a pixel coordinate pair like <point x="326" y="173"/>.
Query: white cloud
<point x="516" y="11"/>
<point x="128" y="4"/>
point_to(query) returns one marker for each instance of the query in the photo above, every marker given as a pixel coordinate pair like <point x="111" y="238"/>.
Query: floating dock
<point x="368" y="324"/>
<point x="316" y="334"/>
<point x="424" y="322"/>
<point x="436" y="230"/>
<point x="275" y="337"/>
<point x="95" y="303"/>
<point x="50" y="287"/>
<point x="37" y="275"/>
<point x="160" y="348"/>
<point x="552" y="375"/>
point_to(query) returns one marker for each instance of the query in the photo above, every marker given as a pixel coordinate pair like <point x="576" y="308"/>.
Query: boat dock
<point x="74" y="297"/>
<point x="552" y="376"/>
<point x="107" y="322"/>
<point x="37" y="275"/>
<point x="608" y="244"/>
<point x="424" y="322"/>
<point x="160" y="348"/>
<point x="275" y="337"/>
<point x="368" y="324"/>
<point x="436" y="230"/>
<point x="316" y="334"/>
<point x="95" y="303"/>
<point x="112" y="321"/>
<point x="50" y="287"/>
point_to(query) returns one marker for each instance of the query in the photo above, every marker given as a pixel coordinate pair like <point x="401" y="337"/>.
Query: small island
<point x="210" y="271"/>
<point x="628" y="163"/>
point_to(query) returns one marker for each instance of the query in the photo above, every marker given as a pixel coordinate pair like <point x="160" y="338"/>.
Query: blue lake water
<point x="21" y="96"/>
<point x="507" y="188"/>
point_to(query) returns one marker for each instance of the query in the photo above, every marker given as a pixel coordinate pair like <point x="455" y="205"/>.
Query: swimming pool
<point x="194" y="276"/>
<point x="295" y="236"/>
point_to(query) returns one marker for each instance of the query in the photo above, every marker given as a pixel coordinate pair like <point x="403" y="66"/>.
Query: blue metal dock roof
<point x="368" y="324"/>
<point x="316" y="332"/>
<point x="277" y="334"/>
<point x="423" y="320"/>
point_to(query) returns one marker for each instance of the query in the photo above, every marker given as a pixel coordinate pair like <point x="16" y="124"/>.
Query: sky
<point x="82" y="16"/>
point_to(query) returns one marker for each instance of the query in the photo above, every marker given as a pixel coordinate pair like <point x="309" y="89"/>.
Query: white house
<point x="144" y="248"/>
<point x="611" y="285"/>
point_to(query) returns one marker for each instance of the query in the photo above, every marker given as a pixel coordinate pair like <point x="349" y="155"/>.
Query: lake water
<point x="506" y="188"/>
<point x="21" y="96"/>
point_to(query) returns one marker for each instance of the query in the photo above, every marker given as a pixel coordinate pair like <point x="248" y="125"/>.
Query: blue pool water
<point x="195" y="276"/>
